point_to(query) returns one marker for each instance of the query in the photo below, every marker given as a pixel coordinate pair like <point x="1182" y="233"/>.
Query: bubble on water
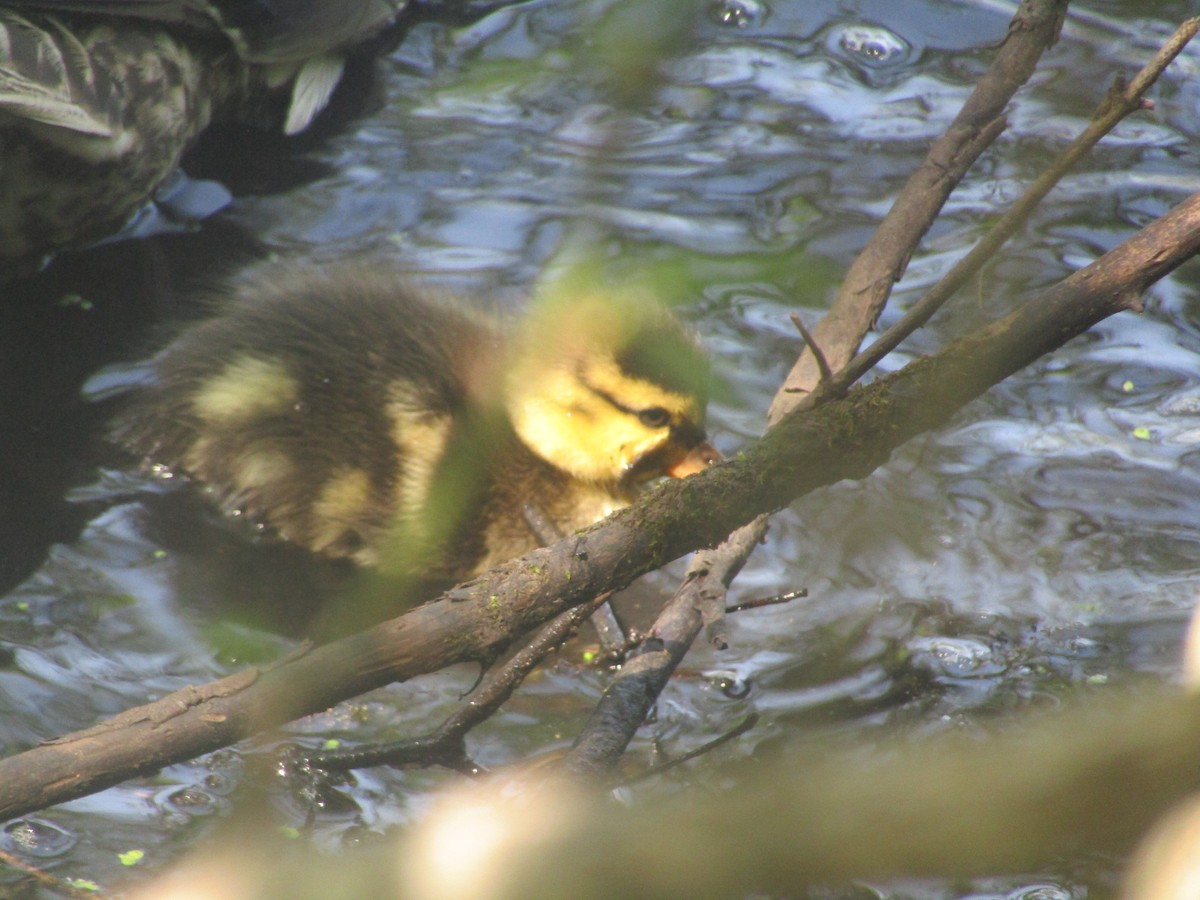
<point x="957" y="657"/>
<point x="218" y="783"/>
<point x="728" y="683"/>
<point x="360" y="835"/>
<point x="737" y="13"/>
<point x="869" y="45"/>
<point x="1084" y="527"/>
<point x="36" y="837"/>
<point x="1040" y="892"/>
<point x="192" y="801"/>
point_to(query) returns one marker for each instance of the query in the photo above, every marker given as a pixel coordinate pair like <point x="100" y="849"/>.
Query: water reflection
<point x="870" y="46"/>
<point x="1037" y="547"/>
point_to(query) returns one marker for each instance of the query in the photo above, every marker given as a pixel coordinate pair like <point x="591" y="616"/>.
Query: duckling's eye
<point x="654" y="417"/>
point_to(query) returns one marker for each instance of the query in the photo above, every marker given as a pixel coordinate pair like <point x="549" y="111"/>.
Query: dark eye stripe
<point x="654" y="417"/>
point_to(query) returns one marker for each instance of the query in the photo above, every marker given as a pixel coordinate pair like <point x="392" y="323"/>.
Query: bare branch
<point x="735" y="732"/>
<point x="446" y="745"/>
<point x="870" y="278"/>
<point x="774" y="600"/>
<point x="813" y="348"/>
<point x="866" y="288"/>
<point x="52" y="882"/>
<point x="1117" y="104"/>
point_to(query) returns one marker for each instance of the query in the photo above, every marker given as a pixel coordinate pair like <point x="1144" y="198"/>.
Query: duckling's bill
<point x="695" y="460"/>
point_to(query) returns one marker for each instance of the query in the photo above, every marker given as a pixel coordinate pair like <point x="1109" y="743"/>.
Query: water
<point x="1044" y="545"/>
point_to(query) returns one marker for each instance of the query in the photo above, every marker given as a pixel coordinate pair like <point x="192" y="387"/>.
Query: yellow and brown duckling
<point x="360" y="418"/>
<point x="100" y="98"/>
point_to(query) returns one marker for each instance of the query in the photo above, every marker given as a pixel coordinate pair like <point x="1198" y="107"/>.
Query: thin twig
<point x="634" y="689"/>
<point x="55" y="884"/>
<point x="446" y="745"/>
<point x="773" y="600"/>
<point x="814" y="348"/>
<point x="1120" y="102"/>
<point x="737" y="731"/>
<point x="881" y="263"/>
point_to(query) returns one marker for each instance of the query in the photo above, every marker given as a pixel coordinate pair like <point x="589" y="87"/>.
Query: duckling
<point x="100" y="98"/>
<point x="360" y="418"/>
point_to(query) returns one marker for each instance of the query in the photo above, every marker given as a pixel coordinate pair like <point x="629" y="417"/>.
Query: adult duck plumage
<point x="99" y="99"/>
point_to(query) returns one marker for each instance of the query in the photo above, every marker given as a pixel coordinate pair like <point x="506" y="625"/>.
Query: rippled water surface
<point x="1045" y="544"/>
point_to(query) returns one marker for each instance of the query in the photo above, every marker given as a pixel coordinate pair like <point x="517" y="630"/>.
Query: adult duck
<point x="99" y="99"/>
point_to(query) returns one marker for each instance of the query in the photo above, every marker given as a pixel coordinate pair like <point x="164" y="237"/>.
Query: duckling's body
<point x="100" y="98"/>
<point x="359" y="418"/>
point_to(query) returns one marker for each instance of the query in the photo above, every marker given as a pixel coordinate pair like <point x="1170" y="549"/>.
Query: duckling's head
<point x="609" y="390"/>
